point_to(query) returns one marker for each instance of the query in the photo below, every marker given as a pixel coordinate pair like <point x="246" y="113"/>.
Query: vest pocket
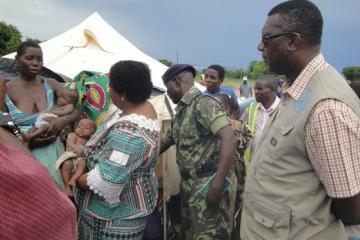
<point x="284" y="129"/>
<point x="279" y="138"/>
<point x="266" y="219"/>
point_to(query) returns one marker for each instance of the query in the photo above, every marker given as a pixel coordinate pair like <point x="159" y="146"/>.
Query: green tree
<point x="256" y="69"/>
<point x="10" y="38"/>
<point x="351" y="73"/>
<point x="235" y="74"/>
<point x="166" y="62"/>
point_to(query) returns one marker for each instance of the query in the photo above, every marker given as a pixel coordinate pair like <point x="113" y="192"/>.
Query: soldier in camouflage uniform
<point x="205" y="146"/>
<point x="243" y="136"/>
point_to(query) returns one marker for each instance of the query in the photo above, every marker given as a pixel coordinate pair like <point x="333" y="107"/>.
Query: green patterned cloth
<point x="94" y="97"/>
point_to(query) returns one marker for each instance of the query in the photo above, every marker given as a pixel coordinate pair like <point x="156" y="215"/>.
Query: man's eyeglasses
<point x="265" y="39"/>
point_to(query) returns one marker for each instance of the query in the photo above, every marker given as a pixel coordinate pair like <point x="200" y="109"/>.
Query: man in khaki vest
<point x="304" y="181"/>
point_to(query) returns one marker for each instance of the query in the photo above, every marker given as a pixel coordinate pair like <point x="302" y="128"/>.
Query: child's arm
<point x="71" y="141"/>
<point x="80" y="170"/>
<point x="63" y="110"/>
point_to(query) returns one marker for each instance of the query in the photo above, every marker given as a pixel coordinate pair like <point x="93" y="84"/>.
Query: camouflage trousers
<point x="203" y="222"/>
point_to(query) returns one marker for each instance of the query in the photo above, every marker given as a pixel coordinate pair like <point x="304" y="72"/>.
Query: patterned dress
<point x="120" y="157"/>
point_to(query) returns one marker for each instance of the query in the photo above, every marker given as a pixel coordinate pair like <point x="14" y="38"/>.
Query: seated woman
<point x="31" y="205"/>
<point x="27" y="97"/>
<point x="117" y="195"/>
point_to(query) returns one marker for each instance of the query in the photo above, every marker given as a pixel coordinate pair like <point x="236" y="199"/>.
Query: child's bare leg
<point x="66" y="169"/>
<point x="80" y="170"/>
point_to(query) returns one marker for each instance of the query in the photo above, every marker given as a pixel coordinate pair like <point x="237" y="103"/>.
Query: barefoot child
<point x="71" y="161"/>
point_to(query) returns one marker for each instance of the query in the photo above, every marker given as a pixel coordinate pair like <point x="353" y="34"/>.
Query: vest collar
<point x="316" y="64"/>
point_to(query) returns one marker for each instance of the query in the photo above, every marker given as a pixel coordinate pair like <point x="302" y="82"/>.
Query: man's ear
<point x="16" y="57"/>
<point x="295" y="42"/>
<point x="177" y="82"/>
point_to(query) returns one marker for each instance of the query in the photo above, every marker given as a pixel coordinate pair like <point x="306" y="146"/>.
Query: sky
<point x="197" y="32"/>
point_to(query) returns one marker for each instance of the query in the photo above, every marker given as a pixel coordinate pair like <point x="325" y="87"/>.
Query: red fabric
<point x="31" y="206"/>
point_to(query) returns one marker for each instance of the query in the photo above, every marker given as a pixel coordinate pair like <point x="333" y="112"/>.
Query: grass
<point x="233" y="83"/>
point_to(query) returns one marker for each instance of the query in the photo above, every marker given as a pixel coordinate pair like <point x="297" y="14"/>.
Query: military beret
<point x="176" y="69"/>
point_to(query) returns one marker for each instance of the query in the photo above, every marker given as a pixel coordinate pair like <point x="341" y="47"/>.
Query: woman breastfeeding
<point x="27" y="96"/>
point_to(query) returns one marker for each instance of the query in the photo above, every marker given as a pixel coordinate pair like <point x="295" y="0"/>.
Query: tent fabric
<point x="94" y="45"/>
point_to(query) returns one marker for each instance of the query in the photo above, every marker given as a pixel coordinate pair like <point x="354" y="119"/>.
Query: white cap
<point x="244" y="78"/>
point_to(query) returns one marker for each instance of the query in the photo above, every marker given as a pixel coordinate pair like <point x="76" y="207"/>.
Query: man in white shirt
<point x="257" y="114"/>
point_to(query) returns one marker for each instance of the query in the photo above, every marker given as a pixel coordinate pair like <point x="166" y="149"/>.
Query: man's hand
<point x="347" y="209"/>
<point x="214" y="195"/>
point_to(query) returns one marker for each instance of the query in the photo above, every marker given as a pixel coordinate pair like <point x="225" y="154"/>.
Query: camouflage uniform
<point x="198" y="119"/>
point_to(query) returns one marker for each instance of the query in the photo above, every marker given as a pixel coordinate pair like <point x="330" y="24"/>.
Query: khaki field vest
<point x="284" y="198"/>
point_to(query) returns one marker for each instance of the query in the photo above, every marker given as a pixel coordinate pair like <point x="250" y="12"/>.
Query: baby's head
<point x="66" y="96"/>
<point x="85" y="128"/>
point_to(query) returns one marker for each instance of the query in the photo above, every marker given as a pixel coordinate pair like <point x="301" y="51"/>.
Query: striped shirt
<point x="332" y="137"/>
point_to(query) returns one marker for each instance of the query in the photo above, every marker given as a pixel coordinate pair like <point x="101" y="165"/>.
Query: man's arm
<point x="163" y="148"/>
<point x="347" y="209"/>
<point x="332" y="141"/>
<point x="227" y="152"/>
<point x="166" y="140"/>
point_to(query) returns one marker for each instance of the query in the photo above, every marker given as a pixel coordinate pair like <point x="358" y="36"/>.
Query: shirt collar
<point x="316" y="64"/>
<point x="273" y="105"/>
<point x="188" y="96"/>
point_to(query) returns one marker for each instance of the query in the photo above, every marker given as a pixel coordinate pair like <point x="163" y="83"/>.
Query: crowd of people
<point x="284" y="166"/>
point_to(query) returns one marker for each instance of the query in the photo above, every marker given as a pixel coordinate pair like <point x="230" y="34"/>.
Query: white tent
<point x="94" y="45"/>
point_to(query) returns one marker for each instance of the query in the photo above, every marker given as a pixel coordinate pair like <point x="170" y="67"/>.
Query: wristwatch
<point x="9" y="124"/>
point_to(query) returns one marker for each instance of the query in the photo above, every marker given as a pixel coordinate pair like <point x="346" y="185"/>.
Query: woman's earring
<point x="122" y="99"/>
